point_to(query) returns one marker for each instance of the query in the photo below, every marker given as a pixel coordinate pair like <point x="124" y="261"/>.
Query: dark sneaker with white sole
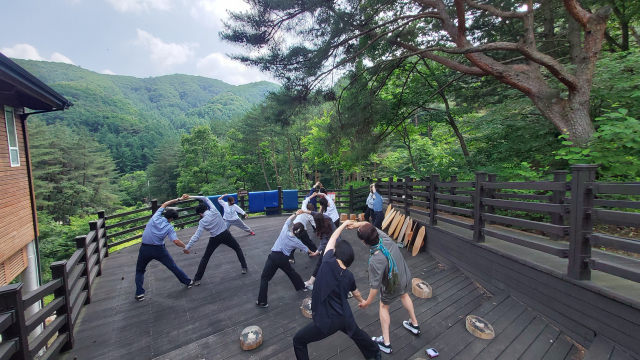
<point x="415" y="329"/>
<point x="261" y="305"/>
<point x="193" y="283"/>
<point x="244" y="270"/>
<point x="140" y="297"/>
<point x="386" y="348"/>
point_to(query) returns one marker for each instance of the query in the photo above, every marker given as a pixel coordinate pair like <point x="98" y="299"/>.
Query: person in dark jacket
<point x="330" y="304"/>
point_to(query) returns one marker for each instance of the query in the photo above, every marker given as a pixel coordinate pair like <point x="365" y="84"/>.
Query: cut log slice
<point x="403" y="229"/>
<point x="388" y="219"/>
<point x="389" y="208"/>
<point x="407" y="239"/>
<point x="360" y="217"/>
<point x="418" y="244"/>
<point x="479" y="327"/>
<point x="343" y="217"/>
<point x="421" y="289"/>
<point x="352" y="217"/>
<point x="394" y="223"/>
<point x="396" y="233"/>
<point x="306" y="307"/>
<point x="250" y="338"/>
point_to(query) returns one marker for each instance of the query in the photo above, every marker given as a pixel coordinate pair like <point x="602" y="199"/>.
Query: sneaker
<point x="308" y="286"/>
<point x="261" y="305"/>
<point x="252" y="233"/>
<point x="140" y="297"/>
<point x="293" y="261"/>
<point x="244" y="270"/>
<point x="383" y="347"/>
<point x="415" y="329"/>
<point x="350" y="295"/>
<point x="193" y="283"/>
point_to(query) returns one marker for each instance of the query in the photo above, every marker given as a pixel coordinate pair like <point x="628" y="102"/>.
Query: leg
<point x="306" y="335"/>
<point x="231" y="242"/>
<point x="367" y="214"/>
<point x="285" y="265"/>
<point x="315" y="271"/>
<point x="385" y="320"/>
<point x="378" y="219"/>
<point x="167" y="261"/>
<point x="337" y="223"/>
<point x="304" y="237"/>
<point x="270" y="268"/>
<point x="144" y="257"/>
<point x="214" y="242"/>
<point x="368" y="347"/>
<point x="241" y="225"/>
<point x="408" y="304"/>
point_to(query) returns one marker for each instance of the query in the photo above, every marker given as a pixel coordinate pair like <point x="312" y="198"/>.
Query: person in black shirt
<point x="329" y="303"/>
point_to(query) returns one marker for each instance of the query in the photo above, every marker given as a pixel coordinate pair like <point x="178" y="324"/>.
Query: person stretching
<point x="330" y="305"/>
<point x="231" y="211"/>
<point x="378" y="215"/>
<point x="211" y="220"/>
<point x="324" y="228"/>
<point x="327" y="206"/>
<point x="279" y="259"/>
<point x="389" y="275"/>
<point x="153" y="248"/>
<point x="316" y="188"/>
<point x="303" y="235"/>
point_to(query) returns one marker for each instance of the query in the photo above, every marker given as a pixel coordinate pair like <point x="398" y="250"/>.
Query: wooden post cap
<point x="250" y="338"/>
<point x="306" y="307"/>
<point x="343" y="217"/>
<point x="479" y="327"/>
<point x="360" y="217"/>
<point x="352" y="217"/>
<point x="421" y="289"/>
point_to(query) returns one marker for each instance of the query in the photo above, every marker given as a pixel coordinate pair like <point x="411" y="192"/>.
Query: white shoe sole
<point x="412" y="329"/>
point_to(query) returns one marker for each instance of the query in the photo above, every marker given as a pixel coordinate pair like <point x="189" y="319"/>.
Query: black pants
<point x="315" y="271"/>
<point x="337" y="223"/>
<point x="378" y="218"/>
<point x="312" y="333"/>
<point x="368" y="214"/>
<point x="226" y="238"/>
<point x="306" y="240"/>
<point x="277" y="260"/>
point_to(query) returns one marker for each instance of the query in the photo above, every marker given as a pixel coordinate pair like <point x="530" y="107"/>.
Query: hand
<point x="184" y="196"/>
<point x="185" y="251"/>
<point x="299" y="212"/>
<point x="225" y="195"/>
<point x="363" y="305"/>
<point x="313" y="254"/>
<point x="347" y="223"/>
<point x="316" y="185"/>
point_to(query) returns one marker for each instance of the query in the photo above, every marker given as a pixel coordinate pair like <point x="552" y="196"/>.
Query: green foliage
<point x="135" y="188"/>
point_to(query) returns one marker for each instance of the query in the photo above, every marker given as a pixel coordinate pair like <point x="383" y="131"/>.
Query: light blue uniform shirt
<point x="377" y="202"/>
<point x="157" y="229"/>
<point x="211" y="221"/>
<point x="286" y="242"/>
<point x="370" y="200"/>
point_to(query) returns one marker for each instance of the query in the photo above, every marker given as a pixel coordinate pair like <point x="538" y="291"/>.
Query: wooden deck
<point x="205" y="322"/>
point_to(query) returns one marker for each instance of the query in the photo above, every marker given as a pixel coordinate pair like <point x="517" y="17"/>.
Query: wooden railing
<point x="537" y="215"/>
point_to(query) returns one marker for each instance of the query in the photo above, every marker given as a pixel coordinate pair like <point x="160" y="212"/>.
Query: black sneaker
<point x="415" y="329"/>
<point x="261" y="305"/>
<point x="383" y="347"/>
<point x="377" y="357"/>
<point x="244" y="270"/>
<point x="140" y="297"/>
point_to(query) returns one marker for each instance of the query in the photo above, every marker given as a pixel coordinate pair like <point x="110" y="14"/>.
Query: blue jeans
<point x="159" y="253"/>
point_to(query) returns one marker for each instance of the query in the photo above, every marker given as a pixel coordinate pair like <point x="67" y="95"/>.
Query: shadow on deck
<point x="205" y="322"/>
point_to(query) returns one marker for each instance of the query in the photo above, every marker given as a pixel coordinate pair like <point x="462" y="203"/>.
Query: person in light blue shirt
<point x="378" y="215"/>
<point x="279" y="259"/>
<point x="368" y="214"/>
<point x="153" y="248"/>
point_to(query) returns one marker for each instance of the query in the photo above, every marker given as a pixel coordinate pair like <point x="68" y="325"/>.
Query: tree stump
<point x="343" y="217"/>
<point x="306" y="307"/>
<point x="421" y="289"/>
<point x="360" y="217"/>
<point x="250" y="338"/>
<point x="352" y="217"/>
<point x="479" y="327"/>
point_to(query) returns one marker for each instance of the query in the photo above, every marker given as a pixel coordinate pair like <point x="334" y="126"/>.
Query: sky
<point x="140" y="38"/>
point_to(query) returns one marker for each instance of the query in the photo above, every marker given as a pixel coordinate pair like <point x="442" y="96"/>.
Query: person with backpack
<point x="390" y="276"/>
<point x="231" y="211"/>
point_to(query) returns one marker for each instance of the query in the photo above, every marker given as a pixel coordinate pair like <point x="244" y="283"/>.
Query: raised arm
<point x="201" y="198"/>
<point x="329" y="200"/>
<point x="336" y="234"/>
<point x="285" y="227"/>
<point x="170" y="202"/>
<point x="222" y="202"/>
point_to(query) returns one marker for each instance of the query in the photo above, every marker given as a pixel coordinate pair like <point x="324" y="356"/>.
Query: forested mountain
<point x="131" y="116"/>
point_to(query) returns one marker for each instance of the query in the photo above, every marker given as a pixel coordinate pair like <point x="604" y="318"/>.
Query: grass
<point x="122" y="246"/>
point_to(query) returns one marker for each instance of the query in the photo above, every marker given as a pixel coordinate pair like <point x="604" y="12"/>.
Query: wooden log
<point x="306" y="307"/>
<point x="479" y="327"/>
<point x="250" y="338"/>
<point x="387" y="220"/>
<point x="407" y="239"/>
<point x="418" y="244"/>
<point x="352" y="217"/>
<point x="389" y="208"/>
<point x="343" y="217"/>
<point x="403" y="229"/>
<point x="394" y="223"/>
<point x="396" y="233"/>
<point x="421" y="289"/>
<point x="360" y="217"/>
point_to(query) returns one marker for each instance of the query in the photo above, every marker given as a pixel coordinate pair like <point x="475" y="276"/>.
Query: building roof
<point x="19" y="88"/>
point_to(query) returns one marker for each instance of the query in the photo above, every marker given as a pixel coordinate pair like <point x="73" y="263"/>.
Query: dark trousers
<point x="159" y="253"/>
<point x="337" y="223"/>
<point x="315" y="271"/>
<point x="277" y="260"/>
<point x="306" y="240"/>
<point x="368" y="214"/>
<point x="226" y="238"/>
<point x="312" y="333"/>
<point x="378" y="218"/>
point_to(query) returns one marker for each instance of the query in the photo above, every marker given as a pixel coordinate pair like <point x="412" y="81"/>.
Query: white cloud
<point x="139" y="5"/>
<point x="57" y="57"/>
<point x="219" y="66"/>
<point x="107" y="72"/>
<point x="211" y="12"/>
<point x="166" y="54"/>
<point x="29" y="52"/>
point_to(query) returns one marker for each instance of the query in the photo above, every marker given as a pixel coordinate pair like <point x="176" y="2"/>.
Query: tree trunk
<point x="275" y="166"/>
<point x="290" y="164"/>
<point x="574" y="35"/>
<point x="452" y="122"/>
<point x="635" y="34"/>
<point x="263" y="170"/>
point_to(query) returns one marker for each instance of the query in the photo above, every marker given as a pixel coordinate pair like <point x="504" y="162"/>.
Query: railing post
<point x="389" y="186"/>
<point x="350" y="200"/>
<point x="59" y="271"/>
<point x="81" y="243"/>
<point x="452" y="189"/>
<point x="279" y="200"/>
<point x="93" y="226"/>
<point x="581" y="223"/>
<point x="407" y="197"/>
<point x="433" y="188"/>
<point x="101" y="215"/>
<point x="11" y="302"/>
<point x="478" y="207"/>
<point x="241" y="198"/>
<point x="154" y="206"/>
<point x="489" y="193"/>
<point x="558" y="198"/>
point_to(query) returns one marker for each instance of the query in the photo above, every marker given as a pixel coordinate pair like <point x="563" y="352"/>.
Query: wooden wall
<point x="577" y="310"/>
<point x="16" y="218"/>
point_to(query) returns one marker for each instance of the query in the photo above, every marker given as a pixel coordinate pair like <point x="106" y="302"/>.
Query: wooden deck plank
<point x="559" y="349"/>
<point x="539" y="347"/>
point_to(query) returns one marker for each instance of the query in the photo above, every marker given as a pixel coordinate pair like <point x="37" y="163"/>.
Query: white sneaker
<point x="386" y="348"/>
<point x="308" y="286"/>
<point x="415" y="329"/>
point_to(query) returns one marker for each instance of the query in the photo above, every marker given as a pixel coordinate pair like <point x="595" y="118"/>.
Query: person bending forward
<point x="279" y="259"/>
<point x="211" y="220"/>
<point x="152" y="247"/>
<point x="231" y="211"/>
<point x="330" y="304"/>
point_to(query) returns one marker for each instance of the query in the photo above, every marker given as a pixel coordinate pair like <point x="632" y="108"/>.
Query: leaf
<point x="567" y="143"/>
<point x="623" y="111"/>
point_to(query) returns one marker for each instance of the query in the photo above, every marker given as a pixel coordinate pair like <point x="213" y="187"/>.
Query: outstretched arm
<point x="336" y="234"/>
<point x="366" y="303"/>
<point x="222" y="202"/>
<point x="171" y="202"/>
<point x="201" y="198"/>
